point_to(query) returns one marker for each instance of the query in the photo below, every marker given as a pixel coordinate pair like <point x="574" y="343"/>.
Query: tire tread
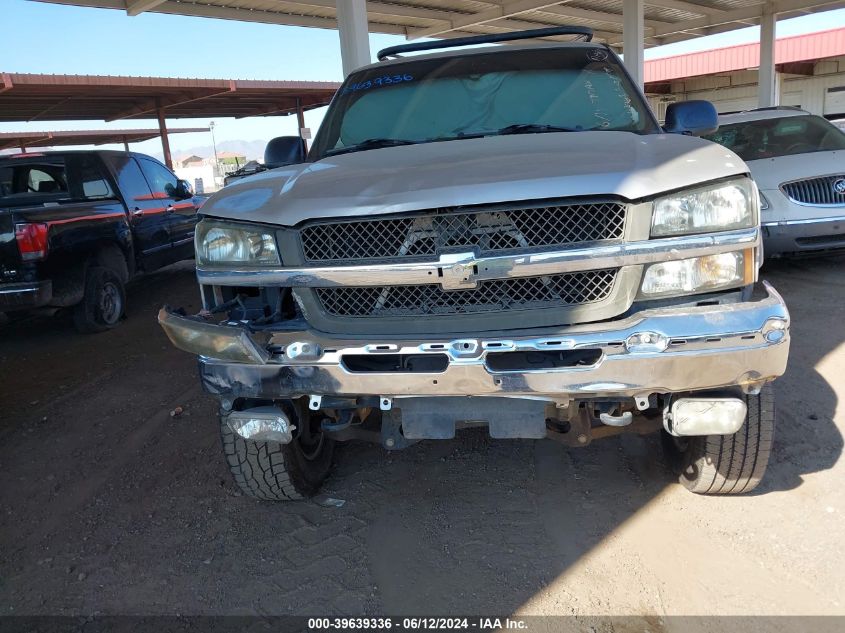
<point x="733" y="464"/>
<point x="270" y="471"/>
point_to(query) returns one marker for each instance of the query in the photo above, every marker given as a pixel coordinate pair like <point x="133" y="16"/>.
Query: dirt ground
<point x="111" y="506"/>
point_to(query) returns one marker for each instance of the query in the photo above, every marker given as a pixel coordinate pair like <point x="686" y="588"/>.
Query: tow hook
<point x="616" y="420"/>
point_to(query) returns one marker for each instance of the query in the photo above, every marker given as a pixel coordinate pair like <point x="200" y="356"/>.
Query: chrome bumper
<point x="798" y="236"/>
<point x="25" y="295"/>
<point x="693" y="349"/>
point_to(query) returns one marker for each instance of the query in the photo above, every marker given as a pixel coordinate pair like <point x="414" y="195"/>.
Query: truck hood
<point x="476" y="171"/>
<point x="771" y="173"/>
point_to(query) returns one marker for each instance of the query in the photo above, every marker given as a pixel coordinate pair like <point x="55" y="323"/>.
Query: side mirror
<point x="184" y="190"/>
<point x="284" y="150"/>
<point x="694" y="118"/>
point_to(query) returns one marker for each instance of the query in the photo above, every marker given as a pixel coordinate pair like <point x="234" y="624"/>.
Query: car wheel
<point x="280" y="472"/>
<point x="726" y="464"/>
<point x="103" y="301"/>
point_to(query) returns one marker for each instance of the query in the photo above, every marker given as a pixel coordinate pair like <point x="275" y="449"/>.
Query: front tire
<point x="279" y="472"/>
<point x="727" y="464"/>
<point x="103" y="301"/>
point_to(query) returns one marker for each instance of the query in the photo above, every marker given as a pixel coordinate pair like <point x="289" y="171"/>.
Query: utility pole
<point x="214" y="145"/>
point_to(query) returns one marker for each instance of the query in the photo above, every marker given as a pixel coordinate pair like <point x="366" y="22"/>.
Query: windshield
<point x="502" y="92"/>
<point x="782" y="136"/>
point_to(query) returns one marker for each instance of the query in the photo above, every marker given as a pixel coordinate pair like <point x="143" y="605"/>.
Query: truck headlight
<point x="219" y="243"/>
<point x="698" y="274"/>
<point x="721" y="207"/>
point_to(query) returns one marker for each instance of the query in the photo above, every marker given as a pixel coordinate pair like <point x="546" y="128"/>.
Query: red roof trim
<point x="797" y="48"/>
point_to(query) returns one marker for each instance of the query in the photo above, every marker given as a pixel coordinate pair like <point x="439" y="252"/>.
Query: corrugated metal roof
<point x="666" y="20"/>
<point x="59" y="138"/>
<point x="799" y="48"/>
<point x="30" y="97"/>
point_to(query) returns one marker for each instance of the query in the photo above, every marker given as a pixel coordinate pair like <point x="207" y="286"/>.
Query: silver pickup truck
<point x="500" y="237"/>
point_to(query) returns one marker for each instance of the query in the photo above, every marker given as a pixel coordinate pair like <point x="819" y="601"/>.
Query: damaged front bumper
<point x="662" y="350"/>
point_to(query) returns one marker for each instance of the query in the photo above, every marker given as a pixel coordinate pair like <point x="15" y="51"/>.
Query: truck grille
<point x="523" y="293"/>
<point x="427" y="234"/>
<point x="826" y="190"/>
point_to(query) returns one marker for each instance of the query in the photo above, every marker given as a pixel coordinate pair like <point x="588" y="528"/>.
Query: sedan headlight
<point x="698" y="274"/>
<point x="722" y="207"/>
<point x="219" y="243"/>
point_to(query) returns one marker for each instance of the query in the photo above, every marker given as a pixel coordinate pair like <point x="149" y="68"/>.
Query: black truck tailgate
<point x="10" y="257"/>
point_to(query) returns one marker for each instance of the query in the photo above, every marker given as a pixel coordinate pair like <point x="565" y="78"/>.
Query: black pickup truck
<point x="76" y="226"/>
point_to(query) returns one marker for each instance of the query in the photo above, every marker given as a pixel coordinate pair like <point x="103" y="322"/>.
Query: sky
<point x="46" y="38"/>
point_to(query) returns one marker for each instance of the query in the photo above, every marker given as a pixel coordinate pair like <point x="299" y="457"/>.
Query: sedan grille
<point x="428" y="234"/>
<point x="826" y="190"/>
<point x="522" y="293"/>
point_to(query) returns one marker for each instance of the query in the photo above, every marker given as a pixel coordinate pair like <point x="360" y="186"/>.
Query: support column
<point x="300" y="121"/>
<point x="633" y="38"/>
<point x="768" y="92"/>
<point x="353" y="28"/>
<point x="126" y="145"/>
<point x="165" y="142"/>
<point x="23" y="148"/>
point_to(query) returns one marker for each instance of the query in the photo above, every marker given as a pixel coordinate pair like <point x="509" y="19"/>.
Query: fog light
<point x="706" y="416"/>
<point x="262" y="424"/>
<point x="643" y="342"/>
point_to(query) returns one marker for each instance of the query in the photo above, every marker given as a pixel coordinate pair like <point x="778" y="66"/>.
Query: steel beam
<point x="165" y="142"/>
<point x="507" y="9"/>
<point x="136" y="7"/>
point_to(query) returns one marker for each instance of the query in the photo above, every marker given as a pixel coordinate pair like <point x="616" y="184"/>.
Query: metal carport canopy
<point x="635" y="24"/>
<point x="665" y="21"/>
<point x="31" y="97"/>
<point x="62" y="138"/>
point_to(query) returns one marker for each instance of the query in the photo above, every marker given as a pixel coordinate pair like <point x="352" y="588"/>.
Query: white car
<point x="798" y="162"/>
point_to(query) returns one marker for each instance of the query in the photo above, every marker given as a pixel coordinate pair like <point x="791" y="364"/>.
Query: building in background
<point x="204" y="173"/>
<point x="230" y="161"/>
<point x="198" y="171"/>
<point x="810" y="74"/>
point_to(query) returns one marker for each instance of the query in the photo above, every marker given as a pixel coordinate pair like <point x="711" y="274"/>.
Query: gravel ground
<point x="110" y="505"/>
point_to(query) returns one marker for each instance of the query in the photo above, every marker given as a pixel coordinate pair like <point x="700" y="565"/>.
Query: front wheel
<point x="727" y="464"/>
<point x="279" y="472"/>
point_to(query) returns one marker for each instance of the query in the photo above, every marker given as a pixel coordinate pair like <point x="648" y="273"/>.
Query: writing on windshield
<point x="449" y="98"/>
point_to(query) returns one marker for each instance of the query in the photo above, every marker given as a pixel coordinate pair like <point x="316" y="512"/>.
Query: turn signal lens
<point x="699" y="274"/>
